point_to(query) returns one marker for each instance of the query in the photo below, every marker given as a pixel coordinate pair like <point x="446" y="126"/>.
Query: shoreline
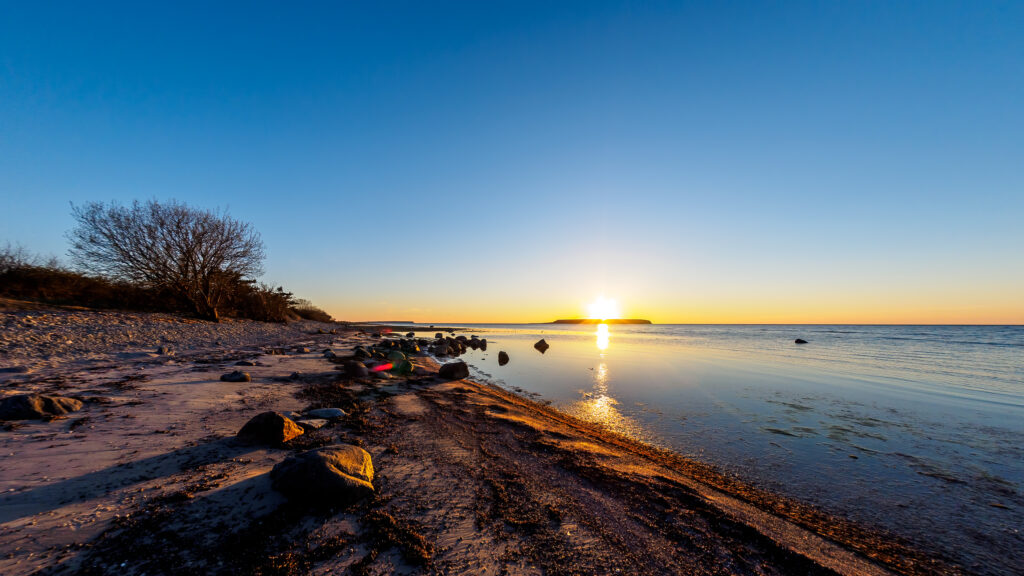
<point x="470" y="477"/>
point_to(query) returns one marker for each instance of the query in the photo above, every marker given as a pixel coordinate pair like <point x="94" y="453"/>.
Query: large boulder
<point x="541" y="346"/>
<point x="332" y="475"/>
<point x="454" y="371"/>
<point x="236" y="376"/>
<point x="502" y="358"/>
<point x="269" y="428"/>
<point x="36" y="407"/>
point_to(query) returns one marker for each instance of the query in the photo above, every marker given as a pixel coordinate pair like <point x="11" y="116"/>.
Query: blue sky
<point x="761" y="162"/>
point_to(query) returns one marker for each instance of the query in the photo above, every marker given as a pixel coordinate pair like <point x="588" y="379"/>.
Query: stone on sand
<point x="541" y="346"/>
<point x="269" y="428"/>
<point x="454" y="371"/>
<point x="236" y="376"/>
<point x="356" y="369"/>
<point x="311" y="423"/>
<point x="326" y="413"/>
<point x="36" y="406"/>
<point x="332" y="475"/>
<point x="800" y="341"/>
<point x="502" y="358"/>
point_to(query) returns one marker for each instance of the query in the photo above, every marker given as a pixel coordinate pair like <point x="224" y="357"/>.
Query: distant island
<point x="596" y="321"/>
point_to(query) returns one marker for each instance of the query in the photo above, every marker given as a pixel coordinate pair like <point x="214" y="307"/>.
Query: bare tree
<point x="200" y="255"/>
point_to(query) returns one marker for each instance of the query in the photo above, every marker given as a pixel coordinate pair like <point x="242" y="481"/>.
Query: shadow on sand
<point x="102" y="482"/>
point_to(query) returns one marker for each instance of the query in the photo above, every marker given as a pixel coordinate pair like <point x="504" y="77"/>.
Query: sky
<point x="751" y="162"/>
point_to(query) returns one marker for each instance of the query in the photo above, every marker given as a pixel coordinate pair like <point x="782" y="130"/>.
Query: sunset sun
<point x="603" y="309"/>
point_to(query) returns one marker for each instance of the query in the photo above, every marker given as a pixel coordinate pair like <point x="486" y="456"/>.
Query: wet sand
<point x="471" y="479"/>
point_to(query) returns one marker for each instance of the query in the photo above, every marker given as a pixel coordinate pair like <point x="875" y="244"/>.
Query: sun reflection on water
<point x="603" y="336"/>
<point x="598" y="405"/>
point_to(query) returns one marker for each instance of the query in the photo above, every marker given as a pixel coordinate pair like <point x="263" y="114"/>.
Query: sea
<point x="913" y="430"/>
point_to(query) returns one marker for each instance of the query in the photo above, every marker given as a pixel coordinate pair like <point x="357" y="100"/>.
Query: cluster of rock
<point x="448" y="346"/>
<point x="336" y="474"/>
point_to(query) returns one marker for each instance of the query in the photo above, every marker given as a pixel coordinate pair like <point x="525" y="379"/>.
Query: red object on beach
<point x="382" y="367"/>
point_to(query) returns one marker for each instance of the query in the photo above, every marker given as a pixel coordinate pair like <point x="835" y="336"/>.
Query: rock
<point x="244" y="363"/>
<point x="438" y="335"/>
<point x="326" y="476"/>
<point x="295" y="376"/>
<point x="442" y="350"/>
<point x="483" y="344"/>
<point x="410" y="335"/>
<point x="326" y="413"/>
<point x="541" y="346"/>
<point x="800" y="341"/>
<point x="36" y="406"/>
<point x="330" y="354"/>
<point x="396" y="356"/>
<point x="502" y="358"/>
<point x="454" y="371"/>
<point x="269" y="428"/>
<point x="355" y="369"/>
<point x="165" y="351"/>
<point x="236" y="376"/>
<point x="311" y="423"/>
<point x="302" y="350"/>
<point x="361" y="352"/>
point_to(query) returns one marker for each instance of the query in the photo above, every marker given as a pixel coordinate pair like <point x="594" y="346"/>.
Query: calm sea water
<point x="915" y="429"/>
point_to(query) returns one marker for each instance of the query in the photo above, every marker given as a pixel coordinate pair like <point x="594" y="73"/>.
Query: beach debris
<point x="356" y="369"/>
<point x="332" y="475"/>
<point x="502" y="358"/>
<point x="311" y="423"/>
<point x="541" y="346"/>
<point x="15" y="370"/>
<point x="269" y="428"/>
<point x="800" y="341"/>
<point x="454" y="371"/>
<point x="36" y="407"/>
<point x="326" y="413"/>
<point x="236" y="376"/>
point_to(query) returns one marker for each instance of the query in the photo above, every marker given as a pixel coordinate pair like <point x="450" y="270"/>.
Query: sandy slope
<point x="147" y="479"/>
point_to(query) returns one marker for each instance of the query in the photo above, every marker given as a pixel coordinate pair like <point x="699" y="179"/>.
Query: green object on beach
<point x="396" y="356"/>
<point x="402" y="367"/>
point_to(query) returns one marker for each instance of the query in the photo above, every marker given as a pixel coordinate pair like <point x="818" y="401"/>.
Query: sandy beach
<point x="148" y="476"/>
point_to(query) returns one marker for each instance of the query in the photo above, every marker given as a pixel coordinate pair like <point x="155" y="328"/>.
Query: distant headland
<point x="596" y="321"/>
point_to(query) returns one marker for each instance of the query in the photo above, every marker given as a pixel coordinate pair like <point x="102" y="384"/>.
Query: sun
<point x="603" y="309"/>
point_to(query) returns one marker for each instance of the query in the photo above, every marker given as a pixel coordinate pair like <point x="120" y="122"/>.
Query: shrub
<point x="202" y="256"/>
<point x="306" y="310"/>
